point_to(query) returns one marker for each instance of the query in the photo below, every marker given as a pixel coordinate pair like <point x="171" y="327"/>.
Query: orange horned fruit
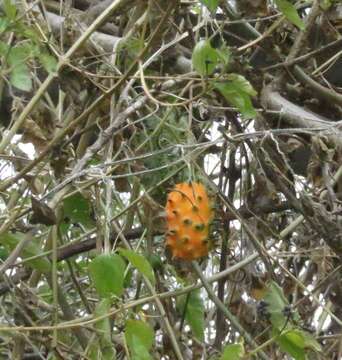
<point x="188" y="215"/>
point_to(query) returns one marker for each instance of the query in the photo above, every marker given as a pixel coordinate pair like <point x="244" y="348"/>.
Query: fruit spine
<point x="188" y="215"/>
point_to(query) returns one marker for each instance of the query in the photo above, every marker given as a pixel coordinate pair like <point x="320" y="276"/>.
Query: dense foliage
<point x="104" y="107"/>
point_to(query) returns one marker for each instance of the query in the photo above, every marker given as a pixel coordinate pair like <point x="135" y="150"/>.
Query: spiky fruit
<point x="188" y="215"/>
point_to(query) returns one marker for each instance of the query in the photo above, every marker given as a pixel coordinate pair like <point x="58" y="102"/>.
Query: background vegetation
<point x="104" y="106"/>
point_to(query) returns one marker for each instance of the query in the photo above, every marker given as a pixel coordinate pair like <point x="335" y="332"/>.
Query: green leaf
<point x="28" y="32"/>
<point x="103" y="326"/>
<point x="293" y="343"/>
<point x="4" y="49"/>
<point x="211" y="4"/>
<point x="20" y="54"/>
<point x="296" y="337"/>
<point x="107" y="273"/>
<point x="139" y="262"/>
<point x="276" y="301"/>
<point x="325" y="4"/>
<point x="77" y="210"/>
<point x="44" y="291"/>
<point x="224" y="54"/>
<point x="296" y="341"/>
<point x="20" y="77"/>
<point x="139" y="351"/>
<point x="102" y="349"/>
<point x="205" y="58"/>
<point x="3" y="253"/>
<point x="139" y="338"/>
<point x="128" y="277"/>
<point x="238" y="91"/>
<point x="242" y="84"/>
<point x="31" y="249"/>
<point x="310" y="342"/>
<point x="290" y="12"/>
<point x="127" y="52"/>
<point x="155" y="261"/>
<point x="194" y="313"/>
<point x="233" y="352"/>
<point x="4" y="24"/>
<point x="48" y="61"/>
<point x="10" y="9"/>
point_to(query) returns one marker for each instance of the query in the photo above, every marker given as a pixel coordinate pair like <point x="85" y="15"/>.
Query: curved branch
<point x="320" y="90"/>
<point x="293" y="114"/>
